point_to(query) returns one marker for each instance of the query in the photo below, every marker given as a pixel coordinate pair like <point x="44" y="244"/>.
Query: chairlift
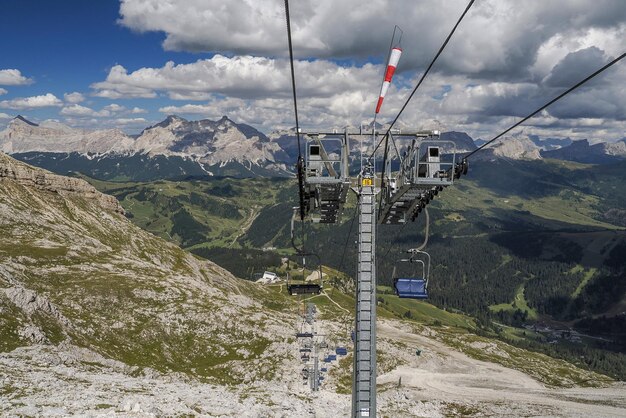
<point x="303" y="288"/>
<point x="326" y="175"/>
<point x="341" y="351"/>
<point x="426" y="166"/>
<point x="414" y="286"/>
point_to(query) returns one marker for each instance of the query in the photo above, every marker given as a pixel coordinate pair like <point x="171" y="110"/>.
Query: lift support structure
<point x="409" y="181"/>
<point x="364" y="372"/>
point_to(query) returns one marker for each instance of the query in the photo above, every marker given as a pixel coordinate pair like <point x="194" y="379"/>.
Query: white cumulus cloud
<point x="13" y="77"/>
<point x="114" y="108"/>
<point x="130" y="121"/>
<point x="496" y="37"/>
<point x="241" y="76"/>
<point x="46" y="100"/>
<point x="3" y="91"/>
<point x="83" y="111"/>
<point x="74" y="97"/>
<point x="138" y="110"/>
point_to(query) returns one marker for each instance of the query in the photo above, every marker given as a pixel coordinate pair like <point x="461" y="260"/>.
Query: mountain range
<point x="173" y="147"/>
<point x="179" y="148"/>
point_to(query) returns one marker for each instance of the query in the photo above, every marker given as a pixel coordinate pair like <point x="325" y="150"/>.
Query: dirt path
<point x="246" y="225"/>
<point x="442" y="374"/>
<point x="336" y="304"/>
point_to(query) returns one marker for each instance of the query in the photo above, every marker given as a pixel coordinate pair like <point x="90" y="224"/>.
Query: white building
<point x="269" y="278"/>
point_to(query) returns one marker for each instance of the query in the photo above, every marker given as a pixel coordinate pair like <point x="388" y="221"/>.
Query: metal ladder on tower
<point x="364" y="379"/>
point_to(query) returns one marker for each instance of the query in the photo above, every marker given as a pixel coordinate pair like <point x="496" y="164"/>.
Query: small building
<point x="269" y="278"/>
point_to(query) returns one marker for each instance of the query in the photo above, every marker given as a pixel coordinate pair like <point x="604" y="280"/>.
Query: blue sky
<point x="64" y="46"/>
<point x="129" y="63"/>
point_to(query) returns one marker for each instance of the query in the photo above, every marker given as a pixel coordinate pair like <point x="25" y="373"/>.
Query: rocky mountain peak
<point x="519" y="147"/>
<point x="581" y="143"/>
<point x="168" y="121"/>
<point x="19" y="119"/>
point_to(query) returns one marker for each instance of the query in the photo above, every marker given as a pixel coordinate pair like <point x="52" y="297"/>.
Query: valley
<point x="527" y="296"/>
<point x="550" y="232"/>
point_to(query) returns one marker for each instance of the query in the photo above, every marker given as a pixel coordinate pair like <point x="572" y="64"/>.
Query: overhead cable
<point x="293" y="75"/>
<point x="300" y="163"/>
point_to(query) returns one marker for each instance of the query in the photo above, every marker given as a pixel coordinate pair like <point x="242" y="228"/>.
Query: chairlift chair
<point x="303" y="288"/>
<point x="415" y="286"/>
<point x="326" y="175"/>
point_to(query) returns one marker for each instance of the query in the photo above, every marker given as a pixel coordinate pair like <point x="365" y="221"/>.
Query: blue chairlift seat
<point x="323" y="369"/>
<point x="332" y="357"/>
<point x="341" y="351"/>
<point x="413" y="288"/>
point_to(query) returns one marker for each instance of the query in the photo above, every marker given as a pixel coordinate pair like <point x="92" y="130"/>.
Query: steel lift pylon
<point x="427" y="165"/>
<point x="364" y="372"/>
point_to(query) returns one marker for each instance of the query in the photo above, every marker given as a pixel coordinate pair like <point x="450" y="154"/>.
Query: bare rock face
<point x="30" y="302"/>
<point x="616" y="148"/>
<point x="42" y="179"/>
<point x="517" y="148"/>
<point x="24" y="136"/>
<point x="210" y="142"/>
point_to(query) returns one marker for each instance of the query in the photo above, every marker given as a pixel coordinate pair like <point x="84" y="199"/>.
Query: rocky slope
<point x="31" y="177"/>
<point x="74" y="272"/>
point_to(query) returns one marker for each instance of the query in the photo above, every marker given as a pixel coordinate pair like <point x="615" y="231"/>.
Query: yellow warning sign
<point x="366" y="182"/>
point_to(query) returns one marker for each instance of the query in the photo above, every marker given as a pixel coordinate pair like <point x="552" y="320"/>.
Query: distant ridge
<point x="177" y="148"/>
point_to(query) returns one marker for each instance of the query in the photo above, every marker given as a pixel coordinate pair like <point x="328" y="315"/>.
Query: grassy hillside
<point x="198" y="213"/>
<point x="513" y="243"/>
<point x="74" y="272"/>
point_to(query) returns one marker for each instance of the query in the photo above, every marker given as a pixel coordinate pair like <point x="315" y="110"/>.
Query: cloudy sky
<point x="130" y="63"/>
